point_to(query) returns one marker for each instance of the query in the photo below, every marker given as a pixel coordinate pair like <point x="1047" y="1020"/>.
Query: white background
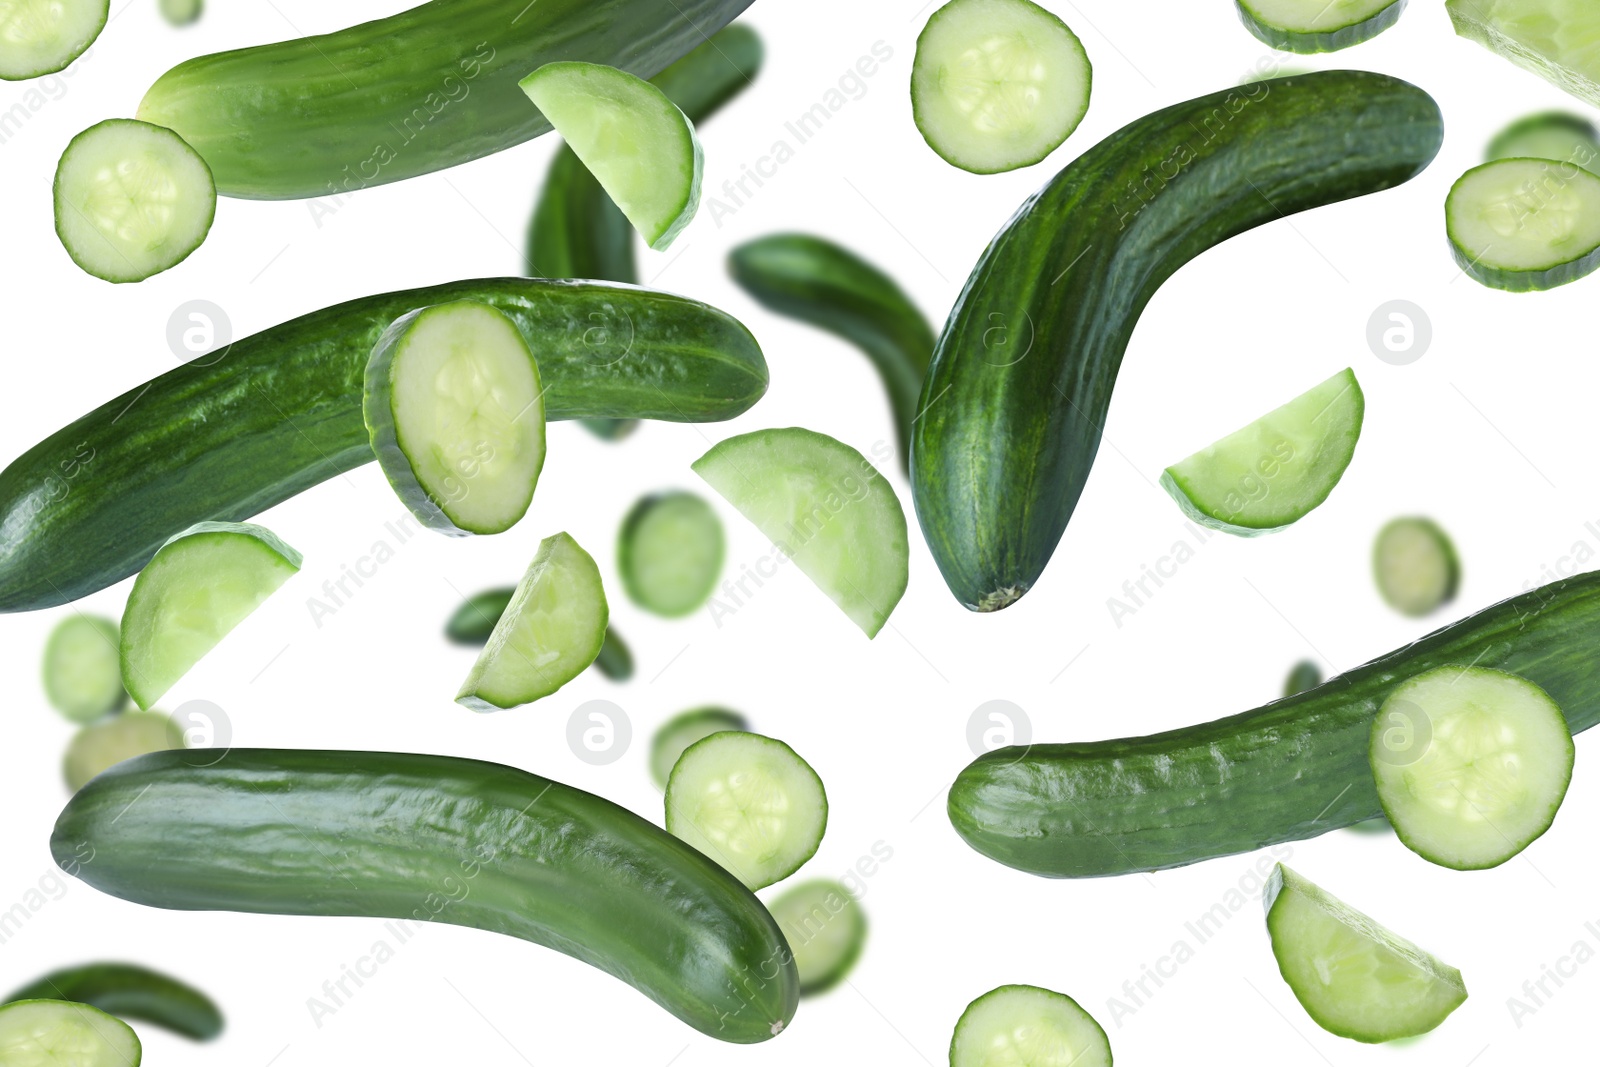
<point x="1491" y="433"/>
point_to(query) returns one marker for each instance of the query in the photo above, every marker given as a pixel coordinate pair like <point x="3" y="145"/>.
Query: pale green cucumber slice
<point x="39" y="37"/>
<point x="1305" y="675"/>
<point x="670" y="553"/>
<point x="82" y="668"/>
<point x="1276" y="470"/>
<point x="455" y="410"/>
<point x="1471" y="764"/>
<point x="684" y="729"/>
<point x="102" y="745"/>
<point x="1026" y="1026"/>
<point x="1525" y="225"/>
<point x="1559" y="40"/>
<point x="200" y="585"/>
<point x="181" y="12"/>
<point x="826" y="930"/>
<point x="131" y="200"/>
<point x="1353" y="977"/>
<point x="1415" y="565"/>
<point x="1311" y="26"/>
<point x="748" y="802"/>
<point x="824" y="506"/>
<point x="59" y="1033"/>
<point x="640" y="148"/>
<point x="549" y="633"/>
<point x="1556" y="135"/>
<point x="998" y="84"/>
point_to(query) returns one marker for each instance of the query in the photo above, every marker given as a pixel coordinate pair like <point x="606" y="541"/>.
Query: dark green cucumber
<point x="130" y="991"/>
<point x="230" y="434"/>
<point x="410" y="94"/>
<point x="615" y="660"/>
<point x="473" y="621"/>
<point x="437" y="838"/>
<point x="1293" y="769"/>
<point x="1022" y="376"/>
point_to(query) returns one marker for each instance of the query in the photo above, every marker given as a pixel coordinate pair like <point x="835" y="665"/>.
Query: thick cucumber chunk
<point x="1555" y="135"/>
<point x="101" y="745"/>
<point x="1415" y="565"/>
<point x="1559" y="40"/>
<point x="1354" y="978"/>
<point x="82" y="668"/>
<point x="684" y="729"/>
<point x="552" y="629"/>
<point x="1026" y="1026"/>
<point x="131" y="200"/>
<point x="455" y="407"/>
<point x="130" y="991"/>
<point x="39" y="37"/>
<point x="1276" y="470"/>
<point x="826" y="931"/>
<point x="1471" y="764"/>
<point x="670" y="553"/>
<point x="57" y="1033"/>
<point x="748" y="802"/>
<point x="637" y="144"/>
<point x="200" y="585"/>
<point x="825" y="507"/>
<point x="998" y="84"/>
<point x="1309" y="26"/>
<point x="1525" y="224"/>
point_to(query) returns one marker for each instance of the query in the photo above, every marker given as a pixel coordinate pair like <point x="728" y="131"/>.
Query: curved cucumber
<point x="1024" y="1024"/>
<point x="1022" y="376"/>
<point x="1525" y="225"/>
<point x="675" y="735"/>
<point x="232" y="433"/>
<point x="130" y="991"/>
<point x="1554" y="39"/>
<point x="1311" y="26"/>
<point x="1555" y="135"/>
<point x="670" y="553"/>
<point x="1415" y="565"/>
<point x="39" y="37"/>
<point x="53" y="1033"/>
<point x="82" y="668"/>
<point x="435" y="838"/>
<point x="826" y="931"/>
<point x="105" y="744"/>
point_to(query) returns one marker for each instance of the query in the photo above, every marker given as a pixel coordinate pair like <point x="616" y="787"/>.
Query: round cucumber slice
<point x="824" y="506"/>
<point x="1556" y="135"/>
<point x="181" y="12"/>
<point x="455" y="410"/>
<point x="105" y="744"/>
<point x="1353" y="977"/>
<point x="131" y="199"/>
<point x="549" y="633"/>
<point x="59" y="1033"/>
<point x="640" y="148"/>
<point x="684" y="729"/>
<point x="199" y="586"/>
<point x="670" y="553"/>
<point x="826" y="931"/>
<point x="1524" y="225"/>
<point x="1311" y="26"/>
<point x="1276" y="470"/>
<point x="82" y="669"/>
<point x="473" y="621"/>
<point x="748" y="802"/>
<point x="39" y="37"/>
<point x="1471" y="764"/>
<point x="998" y="84"/>
<point x="1026" y="1025"/>
<point x="1415" y="565"/>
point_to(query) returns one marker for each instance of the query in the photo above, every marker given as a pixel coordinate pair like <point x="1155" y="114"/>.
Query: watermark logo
<point x="997" y="724"/>
<point x="599" y="732"/>
<point x="1399" y="332"/>
<point x="206" y="731"/>
<point x="199" y="332"/>
<point x="1405" y="732"/>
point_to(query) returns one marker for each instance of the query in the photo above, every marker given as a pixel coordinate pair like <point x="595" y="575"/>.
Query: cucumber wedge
<point x="1415" y="565"/>
<point x="1026" y="1025"/>
<point x="39" y="37"/>
<point x="670" y="553"/>
<point x="82" y="668"/>
<point x="552" y="629"/>
<point x="130" y="991"/>
<point x="200" y="585"/>
<point x="1353" y="977"/>
<point x="57" y="1033"/>
<point x="826" y="931"/>
<point x="825" y="507"/>
<point x="635" y="141"/>
<point x="102" y="745"/>
<point x="1555" y="39"/>
<point x="1311" y="26"/>
<point x="455" y="408"/>
<point x="1555" y="135"/>
<point x="1471" y="764"/>
<point x="684" y="729"/>
<point x="1524" y="225"/>
<point x="1276" y="470"/>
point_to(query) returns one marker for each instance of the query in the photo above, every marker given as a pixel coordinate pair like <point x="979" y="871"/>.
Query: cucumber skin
<point x="130" y="991"/>
<point x="417" y="92"/>
<point x="1307" y="44"/>
<point x="302" y="832"/>
<point x="474" y="620"/>
<point x="1519" y="281"/>
<point x="615" y="660"/>
<point x="228" y="436"/>
<point x="1289" y="770"/>
<point x="1001" y="453"/>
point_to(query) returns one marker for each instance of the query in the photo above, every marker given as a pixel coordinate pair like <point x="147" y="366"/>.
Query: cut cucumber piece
<point x="1276" y="470"/>
<point x="130" y="991"/>
<point x="101" y="745"/>
<point x="1310" y="26"/>
<point x="1559" y="40"/>
<point x="684" y="729"/>
<point x="131" y="200"/>
<point x="641" y="149"/>
<point x="1558" y="135"/>
<point x="474" y="620"/>
<point x="670" y="553"/>
<point x="1524" y="225"/>
<point x="181" y="12"/>
<point x="82" y="669"/>
<point x="200" y="585"/>
<point x="1026" y="1026"/>
<point x="1353" y="977"/>
<point x="826" y="931"/>
<point x="39" y="37"/>
<point x="1305" y="675"/>
<point x="998" y="84"/>
<point x="552" y="629"/>
<point x="824" y="506"/>
<point x="615" y="659"/>
<point x="59" y="1033"/>
<point x="1471" y="764"/>
<point x="749" y="803"/>
<point x="1415" y="565"/>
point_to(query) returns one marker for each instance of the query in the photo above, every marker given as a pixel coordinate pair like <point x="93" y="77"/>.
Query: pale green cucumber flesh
<point x="102" y="745"/>
<point x="748" y="802"/>
<point x="1415" y="565"/>
<point x="39" y="37"/>
<point x="826" y="930"/>
<point x="670" y="553"/>
<point x="1026" y="1026"/>
<point x="58" y="1033"/>
<point x="1276" y="470"/>
<point x="181" y="12"/>
<point x="1311" y="26"/>
<point x="1559" y="40"/>
<point x="824" y="506"/>
<point x="684" y="729"/>
<point x="1525" y="224"/>
<point x="1555" y="135"/>
<point x="82" y="669"/>
<point x="1354" y="978"/>
<point x="998" y="84"/>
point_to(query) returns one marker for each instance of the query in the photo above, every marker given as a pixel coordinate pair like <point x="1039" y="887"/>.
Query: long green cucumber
<point x="232" y="433"/>
<point x="1289" y="770"/>
<point x="1021" y="379"/>
<point x="406" y="95"/>
<point x="441" y="839"/>
<point x="130" y="991"/>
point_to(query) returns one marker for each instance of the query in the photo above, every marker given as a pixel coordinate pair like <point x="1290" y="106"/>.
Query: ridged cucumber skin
<point x="417" y="92"/>
<point x="1289" y="770"/>
<point x="230" y="434"/>
<point x="1328" y="41"/>
<point x="1022" y="376"/>
<point x="130" y="991"/>
<point x="439" y="838"/>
